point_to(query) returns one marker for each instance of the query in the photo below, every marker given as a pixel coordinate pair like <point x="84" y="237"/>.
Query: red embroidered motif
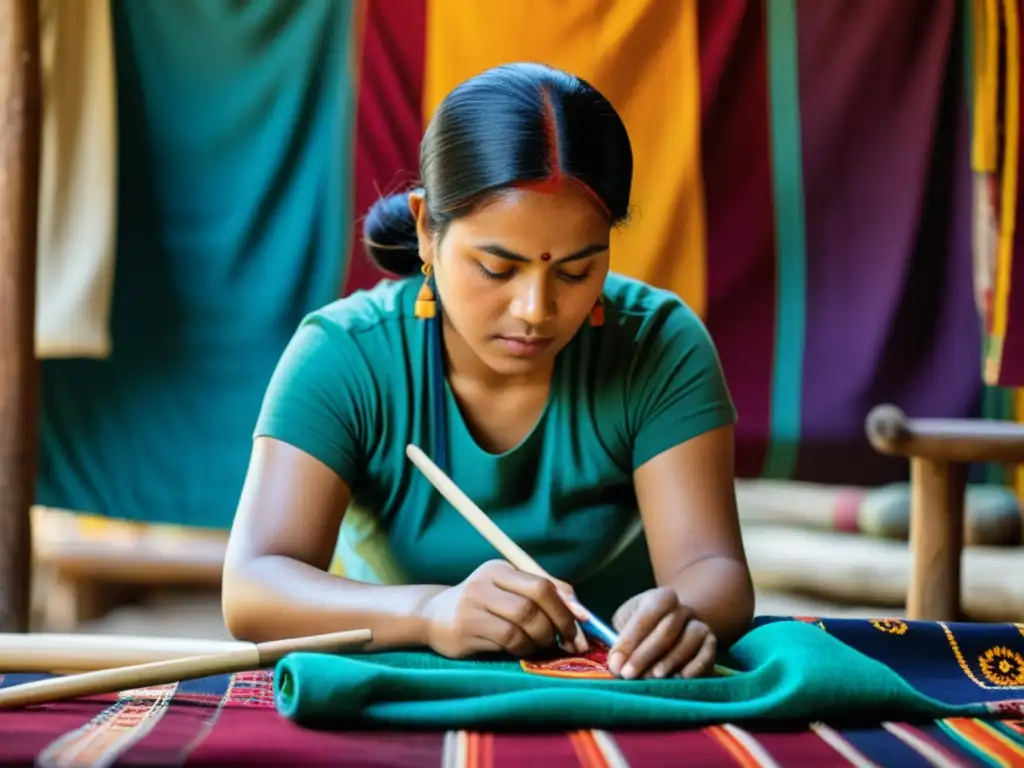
<point x="592" y="665"/>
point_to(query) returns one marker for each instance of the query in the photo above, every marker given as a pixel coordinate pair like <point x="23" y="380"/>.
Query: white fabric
<point x="78" y="184"/>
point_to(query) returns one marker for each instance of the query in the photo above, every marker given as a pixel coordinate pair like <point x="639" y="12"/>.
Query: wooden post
<point x="20" y="138"/>
<point x="936" y="539"/>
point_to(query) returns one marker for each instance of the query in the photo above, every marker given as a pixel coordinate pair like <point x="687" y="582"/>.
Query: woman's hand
<point x="500" y="608"/>
<point x="660" y="637"/>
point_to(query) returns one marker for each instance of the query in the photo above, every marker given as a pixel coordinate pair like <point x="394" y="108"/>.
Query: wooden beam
<point x="20" y="139"/>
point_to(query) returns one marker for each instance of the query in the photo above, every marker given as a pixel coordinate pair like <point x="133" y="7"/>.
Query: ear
<point x="418" y="207"/>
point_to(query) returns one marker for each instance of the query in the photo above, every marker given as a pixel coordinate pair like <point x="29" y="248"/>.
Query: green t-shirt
<point x="353" y="390"/>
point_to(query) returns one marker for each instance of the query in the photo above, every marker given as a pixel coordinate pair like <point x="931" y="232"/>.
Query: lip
<point x="523" y="346"/>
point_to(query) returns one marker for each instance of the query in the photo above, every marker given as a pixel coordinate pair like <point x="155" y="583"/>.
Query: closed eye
<point x="495" y="275"/>
<point x="571" y="278"/>
<point x="567" y="277"/>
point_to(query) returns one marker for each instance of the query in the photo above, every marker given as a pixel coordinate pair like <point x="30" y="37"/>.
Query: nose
<point x="533" y="302"/>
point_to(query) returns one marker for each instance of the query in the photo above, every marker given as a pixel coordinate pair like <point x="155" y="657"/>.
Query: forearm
<point x="721" y="592"/>
<point x="277" y="597"/>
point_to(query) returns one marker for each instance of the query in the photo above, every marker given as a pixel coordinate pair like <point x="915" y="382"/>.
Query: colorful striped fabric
<point x="803" y="180"/>
<point x="232" y="720"/>
<point x="993" y="34"/>
<point x="995" y="158"/>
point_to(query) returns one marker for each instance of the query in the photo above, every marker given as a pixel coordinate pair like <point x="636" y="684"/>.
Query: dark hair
<point x="511" y="124"/>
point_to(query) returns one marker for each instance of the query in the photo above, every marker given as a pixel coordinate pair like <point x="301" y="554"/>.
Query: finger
<point x="653" y="647"/>
<point x="577" y="641"/>
<point x="685" y="650"/>
<point x="642" y="623"/>
<point x="522" y="612"/>
<point x="622" y="616"/>
<point x="704" y="662"/>
<point x="499" y="634"/>
<point x="568" y="595"/>
<point x="543" y="593"/>
<point x="495" y="572"/>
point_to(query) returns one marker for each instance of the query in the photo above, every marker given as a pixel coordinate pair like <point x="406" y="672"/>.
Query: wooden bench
<point x="85" y="566"/>
<point x="940" y="452"/>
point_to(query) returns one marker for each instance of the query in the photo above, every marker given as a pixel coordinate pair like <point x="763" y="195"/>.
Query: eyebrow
<point x="504" y="253"/>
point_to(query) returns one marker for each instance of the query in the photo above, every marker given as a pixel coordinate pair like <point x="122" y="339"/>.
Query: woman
<point x="585" y="412"/>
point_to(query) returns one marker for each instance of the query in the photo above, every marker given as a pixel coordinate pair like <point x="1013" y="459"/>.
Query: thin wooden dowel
<point x="256" y="656"/>
<point x="487" y="528"/>
<point x="476" y="517"/>
<point x="66" y="653"/>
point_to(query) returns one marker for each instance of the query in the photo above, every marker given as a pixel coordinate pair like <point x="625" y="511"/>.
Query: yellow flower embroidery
<point x="890" y="626"/>
<point x="1002" y="666"/>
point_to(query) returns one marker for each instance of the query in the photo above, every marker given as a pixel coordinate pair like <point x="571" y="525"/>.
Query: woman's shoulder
<point x="658" y="370"/>
<point x="640" y="312"/>
<point x="348" y="336"/>
<point x="338" y="373"/>
<point x="385" y="308"/>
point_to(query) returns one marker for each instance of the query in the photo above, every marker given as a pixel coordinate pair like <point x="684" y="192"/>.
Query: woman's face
<point x="520" y="275"/>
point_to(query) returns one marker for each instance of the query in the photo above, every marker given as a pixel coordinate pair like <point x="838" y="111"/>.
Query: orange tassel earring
<point x="426" y="307"/>
<point x="597" y="313"/>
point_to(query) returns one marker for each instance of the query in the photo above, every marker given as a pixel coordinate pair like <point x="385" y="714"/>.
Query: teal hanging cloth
<point x="235" y="125"/>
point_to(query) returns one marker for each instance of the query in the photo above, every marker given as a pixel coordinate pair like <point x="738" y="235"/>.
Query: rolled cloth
<point x="782" y="670"/>
<point x="992" y="513"/>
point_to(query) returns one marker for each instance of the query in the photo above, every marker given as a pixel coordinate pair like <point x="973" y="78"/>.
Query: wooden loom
<point x="939" y="450"/>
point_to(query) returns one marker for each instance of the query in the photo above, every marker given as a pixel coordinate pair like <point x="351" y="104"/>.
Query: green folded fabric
<point x="784" y="670"/>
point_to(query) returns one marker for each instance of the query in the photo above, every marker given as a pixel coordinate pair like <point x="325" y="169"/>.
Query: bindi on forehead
<point x="545" y="256"/>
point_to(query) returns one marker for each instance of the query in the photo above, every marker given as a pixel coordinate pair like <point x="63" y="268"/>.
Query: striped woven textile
<point x="232" y="721"/>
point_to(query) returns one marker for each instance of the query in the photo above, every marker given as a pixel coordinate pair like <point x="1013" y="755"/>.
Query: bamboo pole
<point x="20" y="126"/>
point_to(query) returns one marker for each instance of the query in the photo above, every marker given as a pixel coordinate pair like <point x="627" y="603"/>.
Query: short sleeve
<point x="677" y="389"/>
<point x="320" y="398"/>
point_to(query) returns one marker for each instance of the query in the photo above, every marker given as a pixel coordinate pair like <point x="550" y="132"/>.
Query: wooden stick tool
<point x="255" y="656"/>
<point x="497" y="537"/>
<point x="67" y="653"/>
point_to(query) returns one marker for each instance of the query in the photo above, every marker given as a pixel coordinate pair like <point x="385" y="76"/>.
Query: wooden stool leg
<point x="936" y="539"/>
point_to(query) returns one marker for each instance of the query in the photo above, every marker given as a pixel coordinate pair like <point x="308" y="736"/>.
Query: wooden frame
<point x="940" y="453"/>
<point x="21" y="105"/>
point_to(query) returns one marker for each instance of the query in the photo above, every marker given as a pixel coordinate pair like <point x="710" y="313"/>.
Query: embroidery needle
<point x="487" y="528"/>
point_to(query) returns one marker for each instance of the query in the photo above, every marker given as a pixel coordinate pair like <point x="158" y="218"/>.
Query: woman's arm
<point x="687" y="501"/>
<point x="276" y="582"/>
